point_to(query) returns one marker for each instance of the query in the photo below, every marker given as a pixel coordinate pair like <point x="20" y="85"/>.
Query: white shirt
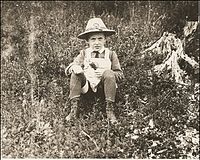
<point x="102" y="64"/>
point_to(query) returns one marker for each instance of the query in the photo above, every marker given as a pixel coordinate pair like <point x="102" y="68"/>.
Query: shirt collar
<point x="102" y="49"/>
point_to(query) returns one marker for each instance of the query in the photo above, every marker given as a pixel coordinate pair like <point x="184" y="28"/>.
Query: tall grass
<point x="36" y="129"/>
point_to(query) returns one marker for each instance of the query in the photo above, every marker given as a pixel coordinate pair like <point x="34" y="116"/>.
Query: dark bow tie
<point x="96" y="54"/>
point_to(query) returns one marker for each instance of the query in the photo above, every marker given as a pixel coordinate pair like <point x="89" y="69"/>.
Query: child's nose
<point x="96" y="41"/>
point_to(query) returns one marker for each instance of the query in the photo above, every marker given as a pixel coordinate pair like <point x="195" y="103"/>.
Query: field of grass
<point x="157" y="118"/>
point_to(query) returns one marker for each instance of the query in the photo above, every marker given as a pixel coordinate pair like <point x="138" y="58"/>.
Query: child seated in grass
<point x="95" y="66"/>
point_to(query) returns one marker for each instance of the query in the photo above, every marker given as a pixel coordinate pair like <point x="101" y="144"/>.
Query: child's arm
<point x="116" y="66"/>
<point x="77" y="64"/>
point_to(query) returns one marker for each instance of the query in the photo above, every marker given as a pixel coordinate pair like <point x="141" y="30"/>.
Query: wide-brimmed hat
<point x="96" y="25"/>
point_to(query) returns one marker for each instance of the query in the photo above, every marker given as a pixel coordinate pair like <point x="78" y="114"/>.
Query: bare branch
<point x="90" y="139"/>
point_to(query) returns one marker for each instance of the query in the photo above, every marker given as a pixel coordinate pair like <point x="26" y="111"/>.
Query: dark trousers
<point x="108" y="82"/>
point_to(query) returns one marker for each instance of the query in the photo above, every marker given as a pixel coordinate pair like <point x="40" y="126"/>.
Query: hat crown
<point x="95" y="23"/>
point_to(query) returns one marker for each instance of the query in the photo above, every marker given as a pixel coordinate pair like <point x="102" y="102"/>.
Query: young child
<point x="94" y="66"/>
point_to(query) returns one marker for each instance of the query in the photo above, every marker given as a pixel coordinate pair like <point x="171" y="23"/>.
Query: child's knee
<point x="108" y="74"/>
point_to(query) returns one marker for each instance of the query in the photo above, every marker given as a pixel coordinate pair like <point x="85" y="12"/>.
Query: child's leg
<point x="109" y="83"/>
<point x="77" y="81"/>
<point x="76" y="84"/>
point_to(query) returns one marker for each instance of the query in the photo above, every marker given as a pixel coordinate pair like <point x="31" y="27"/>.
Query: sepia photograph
<point x="100" y="79"/>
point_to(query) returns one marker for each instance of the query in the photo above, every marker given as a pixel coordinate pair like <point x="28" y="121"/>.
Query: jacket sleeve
<point x="79" y="60"/>
<point x="115" y="66"/>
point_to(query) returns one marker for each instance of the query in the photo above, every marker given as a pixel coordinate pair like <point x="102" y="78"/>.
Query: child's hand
<point x="77" y="69"/>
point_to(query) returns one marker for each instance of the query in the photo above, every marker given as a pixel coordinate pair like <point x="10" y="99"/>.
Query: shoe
<point x="74" y="108"/>
<point x="110" y="112"/>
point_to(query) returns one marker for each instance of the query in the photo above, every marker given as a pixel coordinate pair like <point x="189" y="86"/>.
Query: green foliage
<point x="157" y="118"/>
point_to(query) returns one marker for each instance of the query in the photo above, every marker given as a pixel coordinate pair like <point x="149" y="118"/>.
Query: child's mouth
<point x="97" y="47"/>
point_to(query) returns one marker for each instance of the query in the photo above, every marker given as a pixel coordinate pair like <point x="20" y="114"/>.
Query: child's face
<point x="97" y="41"/>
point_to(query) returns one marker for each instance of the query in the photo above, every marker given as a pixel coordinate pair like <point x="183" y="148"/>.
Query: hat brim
<point x="85" y="34"/>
